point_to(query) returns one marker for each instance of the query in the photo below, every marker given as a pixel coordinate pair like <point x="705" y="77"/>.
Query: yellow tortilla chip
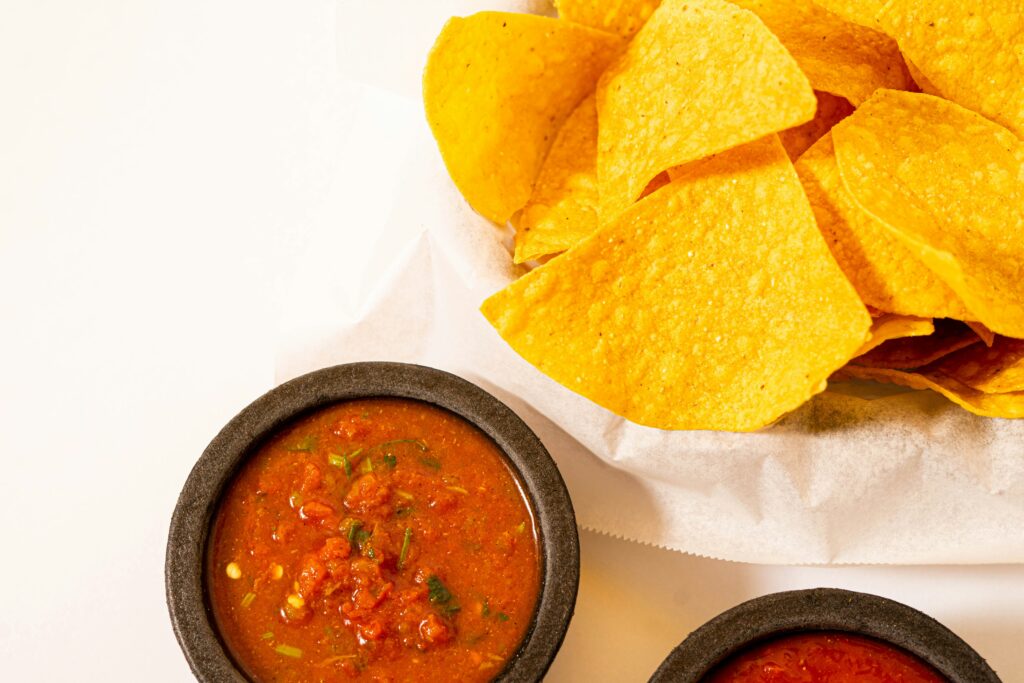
<point x="995" y="370"/>
<point x="891" y="326"/>
<point x="624" y="17"/>
<point x="882" y="269"/>
<point x="1009" y="405"/>
<point x="950" y="184"/>
<point x="916" y="352"/>
<point x="701" y="77"/>
<point x="971" y="50"/>
<point x="711" y="304"/>
<point x="987" y="335"/>
<point x="862" y="12"/>
<point x="831" y="110"/>
<point x="496" y="89"/>
<point x="563" y="207"/>
<point x="839" y="57"/>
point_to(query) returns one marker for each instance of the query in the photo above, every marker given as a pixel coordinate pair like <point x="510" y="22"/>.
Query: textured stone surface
<point x="187" y="539"/>
<point x="823" y="609"/>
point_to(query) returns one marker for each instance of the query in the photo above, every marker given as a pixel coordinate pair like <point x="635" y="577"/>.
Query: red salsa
<point x="378" y="539"/>
<point x="824" y="658"/>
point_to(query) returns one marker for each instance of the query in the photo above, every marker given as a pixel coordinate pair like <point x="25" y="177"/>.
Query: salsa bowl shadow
<point x="557" y="538"/>
<point x="823" y="610"/>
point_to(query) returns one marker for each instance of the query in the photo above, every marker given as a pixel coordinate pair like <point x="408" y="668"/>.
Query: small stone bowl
<point x="823" y="609"/>
<point x="190" y="526"/>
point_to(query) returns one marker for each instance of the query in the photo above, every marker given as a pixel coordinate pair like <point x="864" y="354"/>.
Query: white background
<point x="162" y="165"/>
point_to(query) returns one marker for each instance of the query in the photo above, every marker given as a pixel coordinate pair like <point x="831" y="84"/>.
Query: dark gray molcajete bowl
<point x="823" y="609"/>
<point x="190" y="525"/>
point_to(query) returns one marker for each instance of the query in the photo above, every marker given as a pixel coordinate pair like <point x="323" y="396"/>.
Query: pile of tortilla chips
<point x="735" y="201"/>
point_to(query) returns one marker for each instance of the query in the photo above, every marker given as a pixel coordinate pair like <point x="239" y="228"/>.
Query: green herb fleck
<point x="485" y="610"/>
<point x="247" y="599"/>
<point x="503" y="617"/>
<point x="269" y="635"/>
<point x="336" y="460"/>
<point x="432" y="463"/>
<point x="288" y="651"/>
<point x="390" y="460"/>
<point x="403" y="512"/>
<point x="360" y="537"/>
<point x="370" y="553"/>
<point x="406" y="542"/>
<point x="353" y="530"/>
<point x="366" y="466"/>
<point x="439" y="595"/>
<point x="416" y="442"/>
<point x="306" y="444"/>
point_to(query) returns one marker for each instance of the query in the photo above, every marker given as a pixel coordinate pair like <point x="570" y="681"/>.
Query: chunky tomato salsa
<point x="382" y="539"/>
<point x="825" y="658"/>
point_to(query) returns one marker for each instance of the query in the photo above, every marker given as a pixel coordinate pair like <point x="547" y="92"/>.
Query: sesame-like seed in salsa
<point x="376" y="539"/>
<point x="824" y="657"/>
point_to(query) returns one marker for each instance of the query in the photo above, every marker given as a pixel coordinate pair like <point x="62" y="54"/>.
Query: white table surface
<point x="162" y="165"/>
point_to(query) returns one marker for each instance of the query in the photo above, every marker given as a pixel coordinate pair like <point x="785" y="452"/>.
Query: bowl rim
<point x="823" y="609"/>
<point x="558" y="538"/>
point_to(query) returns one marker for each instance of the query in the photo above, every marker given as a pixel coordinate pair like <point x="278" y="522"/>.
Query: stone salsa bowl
<point x="558" y="541"/>
<point x="823" y="609"/>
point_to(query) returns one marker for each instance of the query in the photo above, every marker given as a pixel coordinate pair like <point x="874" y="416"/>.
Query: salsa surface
<point x="825" y="658"/>
<point x="378" y="539"/>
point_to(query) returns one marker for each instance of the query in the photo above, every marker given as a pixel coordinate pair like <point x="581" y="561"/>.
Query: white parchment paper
<point x="901" y="478"/>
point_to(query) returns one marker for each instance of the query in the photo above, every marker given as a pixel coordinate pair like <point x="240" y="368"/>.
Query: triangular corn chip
<point x="950" y="184"/>
<point x="497" y="87"/>
<point x="972" y="51"/>
<point x="713" y="303"/>
<point x="839" y="57"/>
<point x="684" y="90"/>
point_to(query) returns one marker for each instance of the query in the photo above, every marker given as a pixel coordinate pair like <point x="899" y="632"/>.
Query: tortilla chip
<point x="891" y="326"/>
<point x="995" y="370"/>
<point x="831" y="110"/>
<point x="711" y="304"/>
<point x="563" y="208"/>
<point x="987" y="335"/>
<point x="839" y="57"/>
<point x="496" y="89"/>
<point x="916" y="352"/>
<point x="972" y="51"/>
<point x="1009" y="405"/>
<point x="862" y="12"/>
<point x="884" y="272"/>
<point x="624" y="17"/>
<point x="950" y="184"/>
<point x="684" y="90"/>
